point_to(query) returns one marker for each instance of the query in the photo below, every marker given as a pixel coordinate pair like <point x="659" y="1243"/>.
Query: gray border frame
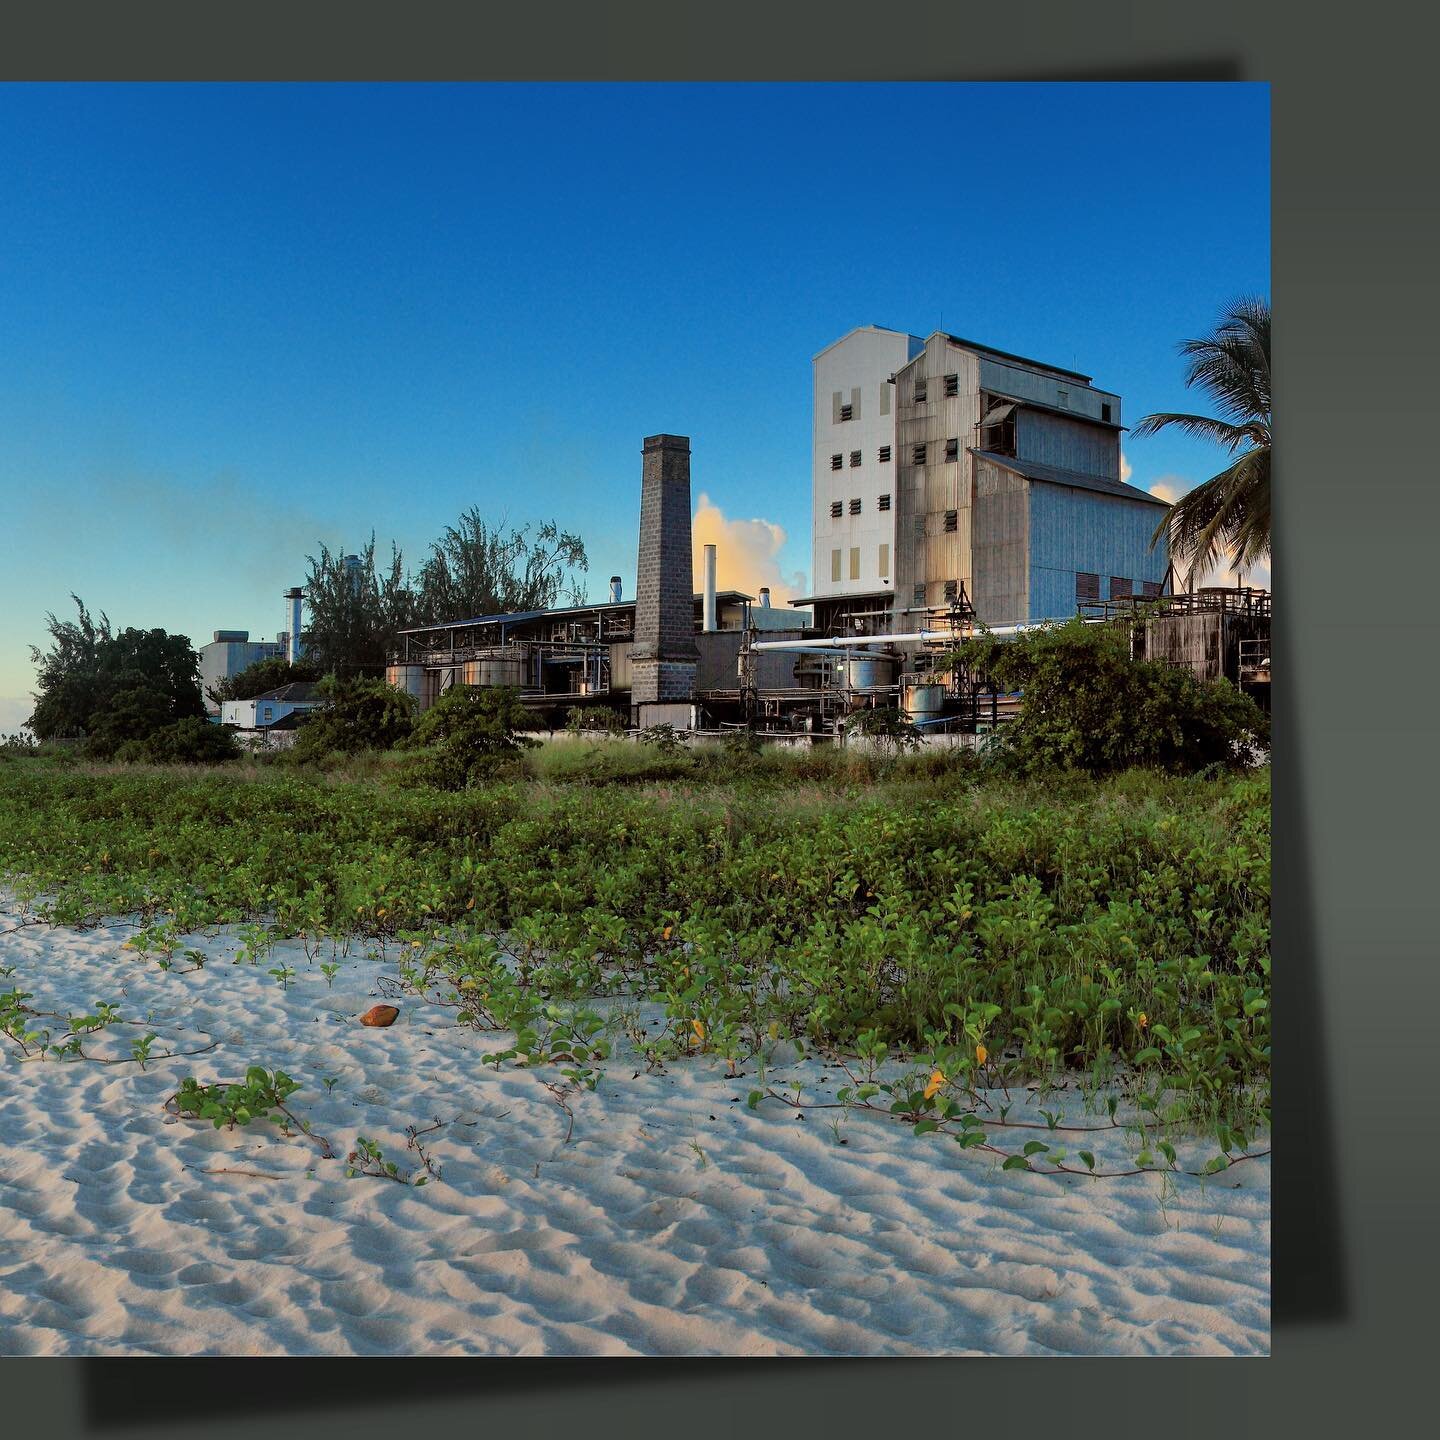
<point x="1353" y="228"/>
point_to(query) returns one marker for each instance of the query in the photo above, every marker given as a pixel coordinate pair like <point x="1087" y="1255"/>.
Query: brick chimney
<point x="663" y="660"/>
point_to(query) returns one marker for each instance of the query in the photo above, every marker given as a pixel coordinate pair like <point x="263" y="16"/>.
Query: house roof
<point x="1019" y="400"/>
<point x="298" y="692"/>
<point x="1019" y="359"/>
<point x="1054" y="475"/>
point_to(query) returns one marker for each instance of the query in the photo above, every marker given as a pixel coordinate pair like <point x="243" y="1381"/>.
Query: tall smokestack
<point x="295" y="646"/>
<point x="664" y="655"/>
<point x="614" y="589"/>
<point x="710" y="587"/>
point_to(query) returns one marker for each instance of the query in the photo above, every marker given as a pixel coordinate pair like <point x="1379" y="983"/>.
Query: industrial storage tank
<point x="922" y="699"/>
<point x="867" y="672"/>
<point x="409" y="678"/>
<point x="491" y="671"/>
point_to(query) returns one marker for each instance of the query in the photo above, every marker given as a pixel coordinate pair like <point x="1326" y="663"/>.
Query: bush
<point x="186" y="742"/>
<point x="600" y="721"/>
<point x="358" y="715"/>
<point x="470" y="735"/>
<point x="889" y="729"/>
<point x="1089" y="707"/>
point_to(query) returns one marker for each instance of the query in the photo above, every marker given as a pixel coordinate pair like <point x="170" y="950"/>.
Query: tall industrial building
<point x="943" y="467"/>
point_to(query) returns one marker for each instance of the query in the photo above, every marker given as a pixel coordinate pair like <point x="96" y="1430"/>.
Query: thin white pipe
<point x="710" y="617"/>
<point x="914" y="637"/>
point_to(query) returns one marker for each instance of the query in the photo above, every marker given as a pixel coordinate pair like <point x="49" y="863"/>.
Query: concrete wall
<point x="854" y="371"/>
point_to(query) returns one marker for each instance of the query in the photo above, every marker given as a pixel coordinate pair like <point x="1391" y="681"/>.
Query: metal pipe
<point x="710" y="587"/>
<point x="915" y="637"/>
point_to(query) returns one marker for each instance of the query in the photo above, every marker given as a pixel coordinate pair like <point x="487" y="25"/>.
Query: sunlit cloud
<point x="747" y="553"/>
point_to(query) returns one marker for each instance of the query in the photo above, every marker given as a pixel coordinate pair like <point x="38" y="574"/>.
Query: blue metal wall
<point x="1074" y="530"/>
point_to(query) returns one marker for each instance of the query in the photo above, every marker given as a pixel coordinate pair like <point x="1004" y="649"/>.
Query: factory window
<point x="920" y="391"/>
<point x="884" y="454"/>
<point x="834" y="564"/>
<point x="855" y="507"/>
<point x="1064" y="396"/>
<point x="1087" y="587"/>
<point x="847" y="412"/>
<point x="952" y="385"/>
<point x="952" y="589"/>
<point x="952" y="521"/>
<point x="883" y="503"/>
<point x="854" y="459"/>
<point x="919" y="527"/>
<point x="920" y="594"/>
<point x="917" y="455"/>
<point x="836" y="461"/>
<point x="882" y="569"/>
<point x="837" y="509"/>
<point x="1104" y="412"/>
<point x="1150" y="588"/>
<point x="1121" y="587"/>
<point x="952" y="450"/>
<point x="855" y="562"/>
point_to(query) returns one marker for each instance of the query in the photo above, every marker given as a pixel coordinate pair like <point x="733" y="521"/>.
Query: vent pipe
<point x="710" y="622"/>
<point x="614" y="589"/>
<point x="295" y="646"/>
<point x="764" y="597"/>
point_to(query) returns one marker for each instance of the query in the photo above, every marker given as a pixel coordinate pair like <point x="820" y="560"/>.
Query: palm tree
<point x="1230" y="512"/>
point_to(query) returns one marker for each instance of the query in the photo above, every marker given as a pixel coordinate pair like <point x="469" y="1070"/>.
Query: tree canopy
<point x="261" y="678"/>
<point x="112" y="686"/>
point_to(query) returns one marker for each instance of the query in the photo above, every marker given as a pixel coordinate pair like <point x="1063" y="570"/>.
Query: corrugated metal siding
<point x="1001" y="552"/>
<point x="1074" y="530"/>
<point x="1070" y="444"/>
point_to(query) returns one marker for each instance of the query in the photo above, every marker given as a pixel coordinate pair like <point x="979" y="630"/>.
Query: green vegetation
<point x="980" y="925"/>
<point x="261" y="678"/>
<point x="358" y="715"/>
<point x="1089" y="707"/>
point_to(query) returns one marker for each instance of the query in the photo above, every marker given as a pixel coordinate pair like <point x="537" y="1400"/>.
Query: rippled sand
<point x="675" y="1221"/>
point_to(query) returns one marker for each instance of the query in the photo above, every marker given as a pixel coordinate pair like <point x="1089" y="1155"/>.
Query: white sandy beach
<point x="674" y="1221"/>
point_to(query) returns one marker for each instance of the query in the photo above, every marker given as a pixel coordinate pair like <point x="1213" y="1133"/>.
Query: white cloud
<point x="747" y="553"/>
<point x="1126" y="469"/>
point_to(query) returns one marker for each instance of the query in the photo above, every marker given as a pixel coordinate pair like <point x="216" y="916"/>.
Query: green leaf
<point x="1088" y="1158"/>
<point x="1035" y="1147"/>
<point x="1016" y="1162"/>
<point x="755" y="1098"/>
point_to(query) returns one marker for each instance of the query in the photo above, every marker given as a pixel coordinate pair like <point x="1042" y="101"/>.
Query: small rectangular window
<point x="1150" y="589"/>
<point x="952" y="521"/>
<point x="1120" y="587"/>
<point x="884" y="454"/>
<point x="1087" y="586"/>
<point x="1105" y="412"/>
<point x="855" y="507"/>
<point x="920" y="594"/>
<point x="836" y="509"/>
<point x="854" y="459"/>
<point x="917" y="455"/>
<point x="847" y="412"/>
<point x="920" y="389"/>
<point x="952" y="450"/>
<point x="952" y="589"/>
<point x="836" y="461"/>
<point x="952" y="385"/>
<point x="882" y="568"/>
<point x="834" y="564"/>
<point x="1064" y="399"/>
<point x="919" y="527"/>
<point x="883" y="503"/>
<point x="855" y="562"/>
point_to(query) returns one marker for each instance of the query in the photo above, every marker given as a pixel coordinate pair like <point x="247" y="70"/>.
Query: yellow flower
<point x="414" y="944"/>
<point x="1143" y="1021"/>
<point x="380" y="914"/>
<point x="665" y="933"/>
<point x="936" y="1081"/>
<point x="981" y="1054"/>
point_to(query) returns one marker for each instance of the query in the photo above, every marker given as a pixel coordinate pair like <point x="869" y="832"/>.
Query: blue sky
<point x="239" y="320"/>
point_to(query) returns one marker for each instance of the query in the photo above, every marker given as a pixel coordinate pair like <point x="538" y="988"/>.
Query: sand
<point x="673" y="1221"/>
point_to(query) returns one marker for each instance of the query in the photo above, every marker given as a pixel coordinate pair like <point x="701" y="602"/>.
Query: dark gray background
<point x="1356" y="296"/>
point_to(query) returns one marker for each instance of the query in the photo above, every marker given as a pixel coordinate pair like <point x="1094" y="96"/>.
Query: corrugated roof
<point x="1054" y="475"/>
<point x="1025" y="404"/>
<point x="1019" y="359"/>
<point x="997" y="414"/>
<point x="516" y="617"/>
<point x="295" y="693"/>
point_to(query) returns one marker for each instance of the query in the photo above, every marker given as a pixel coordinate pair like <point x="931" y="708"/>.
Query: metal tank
<point x="409" y="678"/>
<point x="922" y="699"/>
<point x="867" y="672"/>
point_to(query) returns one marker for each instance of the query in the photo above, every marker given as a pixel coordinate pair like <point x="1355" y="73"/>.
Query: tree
<point x="261" y="678"/>
<point x="471" y="733"/>
<point x="186" y="742"/>
<point x="1230" y="512"/>
<point x="108" y="686"/>
<point x="890" y="730"/>
<point x="473" y="570"/>
<point x="355" y="612"/>
<point x="1088" y="706"/>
